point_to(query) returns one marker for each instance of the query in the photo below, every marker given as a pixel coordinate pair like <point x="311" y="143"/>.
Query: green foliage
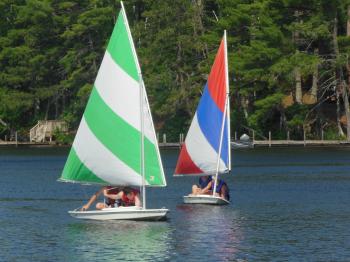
<point x="14" y="107"/>
<point x="296" y="114"/>
<point x="50" y="51"/>
<point x="264" y="109"/>
<point x="331" y="133"/>
<point x="238" y="118"/>
<point x="63" y="138"/>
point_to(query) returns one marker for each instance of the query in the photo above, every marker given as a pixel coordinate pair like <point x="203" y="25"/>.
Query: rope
<point x="85" y="194"/>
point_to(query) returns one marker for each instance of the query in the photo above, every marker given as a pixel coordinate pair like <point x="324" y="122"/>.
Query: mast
<point x="228" y="104"/>
<point x="225" y="114"/>
<point x="142" y="147"/>
<point x="142" y="161"/>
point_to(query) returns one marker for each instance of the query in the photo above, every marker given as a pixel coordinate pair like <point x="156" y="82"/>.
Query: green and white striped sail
<point x="107" y="146"/>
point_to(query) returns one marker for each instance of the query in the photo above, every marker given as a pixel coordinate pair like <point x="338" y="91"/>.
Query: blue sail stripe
<point x="210" y="119"/>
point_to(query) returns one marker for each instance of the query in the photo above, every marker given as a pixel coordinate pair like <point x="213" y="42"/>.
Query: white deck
<point x="205" y="199"/>
<point x="122" y="213"/>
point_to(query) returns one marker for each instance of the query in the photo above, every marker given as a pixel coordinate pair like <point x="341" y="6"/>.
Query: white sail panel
<point x="101" y="161"/>
<point x="201" y="152"/>
<point x="108" y="84"/>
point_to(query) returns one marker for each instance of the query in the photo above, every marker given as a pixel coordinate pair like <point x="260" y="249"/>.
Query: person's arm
<point x="113" y="196"/>
<point x="137" y="200"/>
<point x="92" y="200"/>
<point x="207" y="188"/>
<point x="223" y="192"/>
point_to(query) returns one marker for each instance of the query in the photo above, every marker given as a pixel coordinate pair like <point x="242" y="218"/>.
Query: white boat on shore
<point x="241" y="144"/>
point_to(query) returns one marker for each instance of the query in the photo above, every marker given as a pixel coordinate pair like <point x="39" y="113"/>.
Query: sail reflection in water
<point x="120" y="241"/>
<point x="214" y="232"/>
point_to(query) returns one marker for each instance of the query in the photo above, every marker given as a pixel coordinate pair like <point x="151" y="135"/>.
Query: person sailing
<point x="204" y="186"/>
<point x="108" y="201"/>
<point x="128" y="197"/>
<point x="222" y="189"/>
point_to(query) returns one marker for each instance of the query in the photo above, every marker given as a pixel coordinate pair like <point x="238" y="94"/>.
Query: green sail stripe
<point x="120" y="48"/>
<point x="122" y="139"/>
<point x="75" y="170"/>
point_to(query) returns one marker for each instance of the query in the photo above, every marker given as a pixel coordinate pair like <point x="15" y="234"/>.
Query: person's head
<point x="129" y="193"/>
<point x="112" y="189"/>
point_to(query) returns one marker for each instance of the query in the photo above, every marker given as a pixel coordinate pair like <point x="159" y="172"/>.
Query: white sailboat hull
<point x="205" y="199"/>
<point x="122" y="213"/>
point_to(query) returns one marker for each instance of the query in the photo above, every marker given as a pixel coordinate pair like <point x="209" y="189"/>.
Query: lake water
<point x="287" y="204"/>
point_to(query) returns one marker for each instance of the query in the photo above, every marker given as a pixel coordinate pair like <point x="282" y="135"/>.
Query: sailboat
<point x="206" y="150"/>
<point x="116" y="142"/>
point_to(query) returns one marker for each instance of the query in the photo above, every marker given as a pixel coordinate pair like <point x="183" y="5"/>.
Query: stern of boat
<point x="205" y="199"/>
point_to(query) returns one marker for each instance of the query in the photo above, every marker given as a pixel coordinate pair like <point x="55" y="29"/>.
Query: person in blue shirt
<point x="221" y="189"/>
<point x="204" y="186"/>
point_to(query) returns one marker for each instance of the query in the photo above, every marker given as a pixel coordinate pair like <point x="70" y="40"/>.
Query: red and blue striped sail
<point x="200" y="152"/>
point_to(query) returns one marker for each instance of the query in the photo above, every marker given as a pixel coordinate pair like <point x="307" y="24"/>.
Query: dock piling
<point x="181" y="138"/>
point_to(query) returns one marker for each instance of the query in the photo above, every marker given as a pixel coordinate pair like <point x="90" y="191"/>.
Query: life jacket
<point x="111" y="190"/>
<point x="129" y="202"/>
<point x="220" y="183"/>
<point x="204" y="183"/>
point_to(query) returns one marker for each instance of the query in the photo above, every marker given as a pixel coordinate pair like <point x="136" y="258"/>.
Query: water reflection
<point x="279" y="212"/>
<point x="212" y="232"/>
<point x="119" y="241"/>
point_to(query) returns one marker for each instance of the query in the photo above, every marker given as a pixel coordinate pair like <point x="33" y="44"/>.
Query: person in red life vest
<point x="128" y="197"/>
<point x="204" y="186"/>
<point x="108" y="201"/>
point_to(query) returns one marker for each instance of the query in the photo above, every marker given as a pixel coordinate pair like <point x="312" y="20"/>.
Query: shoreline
<point x="245" y="145"/>
<point x="301" y="143"/>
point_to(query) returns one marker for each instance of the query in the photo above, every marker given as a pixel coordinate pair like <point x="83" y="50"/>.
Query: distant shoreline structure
<point x="251" y="144"/>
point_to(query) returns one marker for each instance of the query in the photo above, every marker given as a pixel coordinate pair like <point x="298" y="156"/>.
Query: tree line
<point x="289" y="63"/>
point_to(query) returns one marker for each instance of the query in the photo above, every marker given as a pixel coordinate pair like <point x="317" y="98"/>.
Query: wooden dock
<point x="169" y="145"/>
<point x="309" y="143"/>
<point x="47" y="143"/>
<point x="276" y="143"/>
<point x="14" y="143"/>
<point x="255" y="143"/>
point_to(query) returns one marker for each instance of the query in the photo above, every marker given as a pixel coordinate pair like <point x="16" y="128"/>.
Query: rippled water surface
<point x="288" y="204"/>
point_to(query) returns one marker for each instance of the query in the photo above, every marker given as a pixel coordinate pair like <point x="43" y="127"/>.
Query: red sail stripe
<point x="185" y="164"/>
<point x="217" y="78"/>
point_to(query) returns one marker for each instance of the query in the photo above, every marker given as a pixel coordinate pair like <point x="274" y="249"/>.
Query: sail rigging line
<point x="228" y="102"/>
<point x="142" y="147"/>
<point x="142" y="160"/>
<point x="224" y="116"/>
<point x="220" y="147"/>
<point x="85" y="194"/>
<point x="143" y="92"/>
<point x="154" y="133"/>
